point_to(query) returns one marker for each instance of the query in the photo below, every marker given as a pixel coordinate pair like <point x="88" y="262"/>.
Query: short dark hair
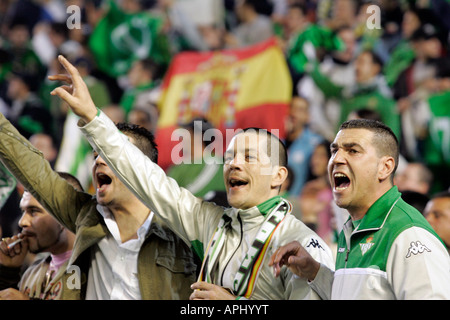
<point x="282" y="152"/>
<point x="299" y="6"/>
<point x="376" y="59"/>
<point x="384" y="140"/>
<point x="441" y="194"/>
<point x="150" y="66"/>
<point x="143" y="139"/>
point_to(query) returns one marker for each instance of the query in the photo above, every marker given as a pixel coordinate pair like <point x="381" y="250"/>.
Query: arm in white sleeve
<point x="188" y="216"/>
<point x="418" y="266"/>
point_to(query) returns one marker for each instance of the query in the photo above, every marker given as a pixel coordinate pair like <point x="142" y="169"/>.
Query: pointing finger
<point x="73" y="72"/>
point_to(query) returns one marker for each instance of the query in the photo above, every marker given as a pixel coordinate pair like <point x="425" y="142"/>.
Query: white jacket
<point x="195" y="220"/>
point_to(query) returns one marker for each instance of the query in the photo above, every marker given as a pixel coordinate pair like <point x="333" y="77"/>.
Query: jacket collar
<point x="378" y="213"/>
<point x="92" y="229"/>
<point x="158" y="228"/>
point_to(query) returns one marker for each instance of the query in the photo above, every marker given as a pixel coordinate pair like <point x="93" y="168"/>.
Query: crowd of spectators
<point x="346" y="59"/>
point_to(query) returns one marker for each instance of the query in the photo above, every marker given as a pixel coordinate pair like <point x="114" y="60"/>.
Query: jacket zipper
<point x="238" y="246"/>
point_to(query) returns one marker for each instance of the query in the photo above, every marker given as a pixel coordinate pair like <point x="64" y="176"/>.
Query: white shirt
<point x="113" y="270"/>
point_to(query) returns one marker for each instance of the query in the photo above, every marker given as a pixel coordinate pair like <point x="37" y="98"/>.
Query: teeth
<point x="339" y="185"/>
<point x="235" y="182"/>
<point x="339" y="175"/>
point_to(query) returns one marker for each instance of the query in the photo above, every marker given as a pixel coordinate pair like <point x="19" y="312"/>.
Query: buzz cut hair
<point x="144" y="140"/>
<point x="384" y="139"/>
<point x="272" y="138"/>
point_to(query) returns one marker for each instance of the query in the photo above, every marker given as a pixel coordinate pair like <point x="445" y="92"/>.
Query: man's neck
<point x="129" y="219"/>
<point x="357" y="213"/>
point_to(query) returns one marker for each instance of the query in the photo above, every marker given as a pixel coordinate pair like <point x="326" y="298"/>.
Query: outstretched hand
<point x="297" y="259"/>
<point x="74" y="91"/>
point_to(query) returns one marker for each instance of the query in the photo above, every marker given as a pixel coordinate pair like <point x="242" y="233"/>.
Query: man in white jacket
<point x="234" y="243"/>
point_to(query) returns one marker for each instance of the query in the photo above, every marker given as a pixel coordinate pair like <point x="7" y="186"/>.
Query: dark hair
<point x="143" y="139"/>
<point x="441" y="194"/>
<point x="282" y="153"/>
<point x="375" y="58"/>
<point x="260" y="6"/>
<point x="299" y="6"/>
<point x="149" y="65"/>
<point x="384" y="140"/>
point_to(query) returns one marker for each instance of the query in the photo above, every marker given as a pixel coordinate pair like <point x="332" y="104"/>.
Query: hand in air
<point x="75" y="91"/>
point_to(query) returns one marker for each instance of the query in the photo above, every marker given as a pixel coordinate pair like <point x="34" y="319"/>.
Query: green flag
<point x="320" y="38"/>
<point x="121" y="38"/>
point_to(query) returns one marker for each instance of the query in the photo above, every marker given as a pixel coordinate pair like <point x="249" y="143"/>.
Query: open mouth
<point x="236" y="183"/>
<point x="341" y="181"/>
<point x="103" y="179"/>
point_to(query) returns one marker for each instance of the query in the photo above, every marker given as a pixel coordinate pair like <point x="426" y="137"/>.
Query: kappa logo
<point x="315" y="243"/>
<point x="366" y="246"/>
<point x="416" y="248"/>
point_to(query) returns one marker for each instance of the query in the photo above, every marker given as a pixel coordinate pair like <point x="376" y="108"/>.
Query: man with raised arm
<point x="235" y="243"/>
<point x="122" y="250"/>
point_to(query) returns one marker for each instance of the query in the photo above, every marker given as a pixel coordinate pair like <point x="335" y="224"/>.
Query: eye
<point x="33" y="211"/>
<point x="227" y="159"/>
<point x="249" y="157"/>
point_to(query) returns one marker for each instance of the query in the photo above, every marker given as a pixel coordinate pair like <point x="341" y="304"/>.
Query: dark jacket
<point x="166" y="267"/>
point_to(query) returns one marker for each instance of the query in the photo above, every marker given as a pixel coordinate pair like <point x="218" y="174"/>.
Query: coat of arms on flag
<point x="232" y="89"/>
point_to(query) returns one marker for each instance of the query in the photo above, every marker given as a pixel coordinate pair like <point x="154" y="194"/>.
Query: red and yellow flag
<point x="232" y="89"/>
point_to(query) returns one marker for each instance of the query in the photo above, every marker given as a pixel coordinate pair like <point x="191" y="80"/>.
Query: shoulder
<point x="404" y="216"/>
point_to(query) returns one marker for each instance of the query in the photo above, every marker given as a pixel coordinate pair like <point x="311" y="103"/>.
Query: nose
<point x="236" y="161"/>
<point x="99" y="161"/>
<point x="337" y="157"/>
<point x="24" y="220"/>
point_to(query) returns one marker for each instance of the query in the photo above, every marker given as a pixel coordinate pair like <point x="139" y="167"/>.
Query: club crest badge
<point x="367" y="245"/>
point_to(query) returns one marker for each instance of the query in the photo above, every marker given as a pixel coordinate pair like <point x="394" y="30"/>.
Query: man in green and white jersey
<point x="386" y="250"/>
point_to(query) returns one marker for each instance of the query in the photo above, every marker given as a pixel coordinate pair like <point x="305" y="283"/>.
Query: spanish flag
<point x="233" y="89"/>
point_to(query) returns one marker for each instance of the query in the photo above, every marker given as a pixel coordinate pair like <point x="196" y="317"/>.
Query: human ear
<point x="279" y="176"/>
<point x="386" y="168"/>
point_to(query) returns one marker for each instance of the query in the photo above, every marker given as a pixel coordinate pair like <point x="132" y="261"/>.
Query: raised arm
<point x="193" y="219"/>
<point x="29" y="167"/>
<point x="75" y="92"/>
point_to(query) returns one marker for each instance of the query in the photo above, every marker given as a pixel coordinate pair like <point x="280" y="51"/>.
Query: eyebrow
<point x="246" y="150"/>
<point x="347" y="145"/>
<point x="30" y="208"/>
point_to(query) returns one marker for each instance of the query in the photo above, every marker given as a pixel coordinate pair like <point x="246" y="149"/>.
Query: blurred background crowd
<point x="345" y="58"/>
